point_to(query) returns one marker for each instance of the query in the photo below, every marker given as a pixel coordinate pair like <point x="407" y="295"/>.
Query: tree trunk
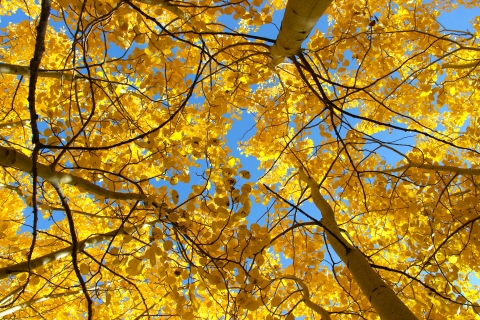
<point x="62" y="253"/>
<point x="12" y="158"/>
<point x="383" y="299"/>
<point x="33" y="301"/>
<point x="297" y="23"/>
<point x="6" y="68"/>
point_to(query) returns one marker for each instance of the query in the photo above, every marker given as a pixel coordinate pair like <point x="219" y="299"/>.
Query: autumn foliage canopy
<point x="125" y="197"/>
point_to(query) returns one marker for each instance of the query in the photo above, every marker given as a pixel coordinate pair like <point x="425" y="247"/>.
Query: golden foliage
<point x="123" y="197"/>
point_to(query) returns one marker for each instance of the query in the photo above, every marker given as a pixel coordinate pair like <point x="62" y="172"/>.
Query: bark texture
<point x="383" y="299"/>
<point x="17" y="160"/>
<point x="59" y="254"/>
<point x="299" y="19"/>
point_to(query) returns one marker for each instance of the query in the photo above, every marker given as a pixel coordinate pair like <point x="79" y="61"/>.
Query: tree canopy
<point x="124" y="197"/>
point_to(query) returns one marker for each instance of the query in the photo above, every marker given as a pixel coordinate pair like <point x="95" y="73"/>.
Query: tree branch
<point x="306" y="299"/>
<point x="59" y="254"/>
<point x="460" y="66"/>
<point x="33" y="301"/>
<point x="12" y="158"/>
<point x="75" y="247"/>
<point x="434" y="167"/>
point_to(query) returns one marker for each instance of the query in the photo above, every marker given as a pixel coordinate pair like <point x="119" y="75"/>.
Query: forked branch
<point x="306" y="299"/>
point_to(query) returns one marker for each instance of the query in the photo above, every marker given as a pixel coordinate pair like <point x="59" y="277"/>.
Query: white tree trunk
<point x="297" y="23"/>
<point x="7" y="68"/>
<point x="59" y="254"/>
<point x="17" y="160"/>
<point x="13" y="124"/>
<point x="382" y="298"/>
<point x="33" y="301"/>
<point x="434" y="167"/>
<point x="306" y="299"/>
<point x="167" y="6"/>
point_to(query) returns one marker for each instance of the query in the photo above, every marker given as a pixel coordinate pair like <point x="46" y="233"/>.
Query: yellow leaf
<point x="171" y="280"/>
<point x="174" y="195"/>
<point x="231" y="162"/>
<point x="453" y="259"/>
<point x="176" y="136"/>
<point x="167" y="245"/>
<point x="276" y="301"/>
<point x="84" y="268"/>
<point x="174" y="180"/>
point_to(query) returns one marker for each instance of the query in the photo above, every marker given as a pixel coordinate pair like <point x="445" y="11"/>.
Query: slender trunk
<point x="167" y="6"/>
<point x="297" y="23"/>
<point x="382" y="298"/>
<point x="435" y="167"/>
<point x="13" y="124"/>
<point x="17" y="160"/>
<point x="7" y="68"/>
<point x="33" y="301"/>
<point x="9" y="296"/>
<point x="59" y="254"/>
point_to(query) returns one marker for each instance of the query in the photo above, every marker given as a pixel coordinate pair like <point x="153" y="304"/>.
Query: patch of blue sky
<point x="459" y="19"/>
<point x="14" y="18"/>
<point x="44" y="222"/>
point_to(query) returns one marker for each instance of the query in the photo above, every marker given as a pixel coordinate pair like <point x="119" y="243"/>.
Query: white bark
<point x="13" y="124"/>
<point x="33" y="301"/>
<point x="473" y="64"/>
<point x="382" y="298"/>
<point x="7" y="68"/>
<point x="434" y="167"/>
<point x="299" y="19"/>
<point x="17" y="160"/>
<point x="306" y="299"/>
<point x="9" y="296"/>
<point x="59" y="254"/>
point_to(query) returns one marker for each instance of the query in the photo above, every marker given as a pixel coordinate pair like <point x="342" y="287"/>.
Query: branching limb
<point x="33" y="301"/>
<point x="75" y="248"/>
<point x="59" y="254"/>
<point x="17" y="160"/>
<point x="306" y="299"/>
<point x="434" y="167"/>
